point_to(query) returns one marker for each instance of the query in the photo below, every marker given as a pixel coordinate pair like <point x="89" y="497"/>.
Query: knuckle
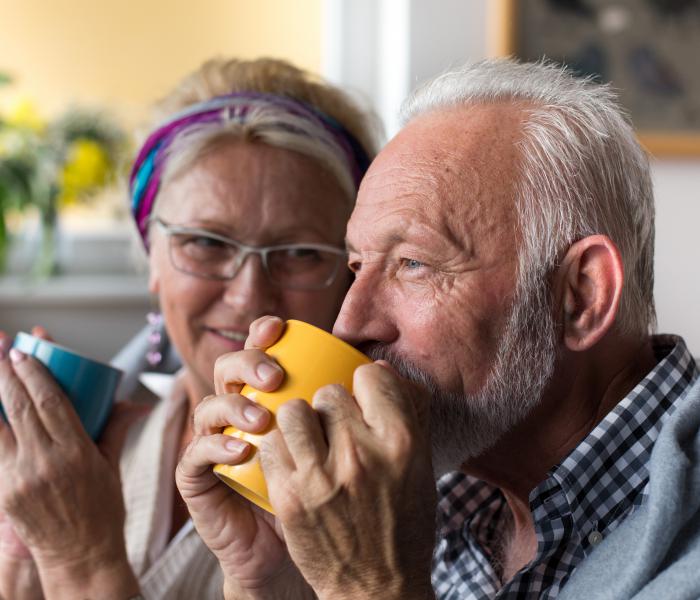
<point x="190" y="450"/>
<point x="261" y="329"/>
<point x="62" y="480"/>
<point x="293" y="415"/>
<point x="330" y="397"/>
<point x="400" y="444"/>
<point x="17" y="495"/>
<point x="14" y="407"/>
<point x="256" y="325"/>
<point x="369" y="373"/>
<point x="48" y="400"/>
<point x="222" y="361"/>
<point x="288" y="506"/>
<point x="200" y="411"/>
<point x="183" y="470"/>
<point x="267" y="448"/>
<point x="293" y="408"/>
<point x="204" y="414"/>
<point x="222" y="369"/>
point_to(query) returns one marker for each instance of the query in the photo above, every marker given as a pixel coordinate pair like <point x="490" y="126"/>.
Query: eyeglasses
<point x="209" y="255"/>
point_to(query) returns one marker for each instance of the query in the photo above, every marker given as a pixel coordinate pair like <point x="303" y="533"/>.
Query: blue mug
<point x="89" y="384"/>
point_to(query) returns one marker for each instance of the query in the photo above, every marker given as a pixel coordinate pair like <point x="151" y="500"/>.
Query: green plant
<point x="49" y="165"/>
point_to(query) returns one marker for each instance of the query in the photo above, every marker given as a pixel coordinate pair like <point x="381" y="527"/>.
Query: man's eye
<point x="411" y="263"/>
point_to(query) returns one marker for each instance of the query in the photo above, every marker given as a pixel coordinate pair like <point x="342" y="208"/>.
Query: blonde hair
<point x="219" y="77"/>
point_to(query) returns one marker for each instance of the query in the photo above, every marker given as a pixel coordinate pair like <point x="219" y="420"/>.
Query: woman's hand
<point x="19" y="578"/>
<point x="60" y="492"/>
<point x="246" y="540"/>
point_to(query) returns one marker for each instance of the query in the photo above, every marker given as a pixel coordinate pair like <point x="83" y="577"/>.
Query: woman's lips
<point x="230" y="335"/>
<point x="234" y="339"/>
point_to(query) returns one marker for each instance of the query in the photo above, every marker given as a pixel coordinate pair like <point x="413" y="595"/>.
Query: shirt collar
<point x="605" y="476"/>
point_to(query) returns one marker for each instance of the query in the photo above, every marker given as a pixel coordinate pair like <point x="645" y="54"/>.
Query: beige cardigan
<point x="184" y="568"/>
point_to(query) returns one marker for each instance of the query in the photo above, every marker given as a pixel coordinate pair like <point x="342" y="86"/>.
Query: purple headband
<point x="147" y="170"/>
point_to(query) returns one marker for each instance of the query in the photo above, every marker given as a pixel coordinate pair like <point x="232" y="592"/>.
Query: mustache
<point x="403" y="366"/>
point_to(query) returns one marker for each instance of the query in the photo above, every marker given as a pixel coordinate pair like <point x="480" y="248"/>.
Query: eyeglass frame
<point x="246" y="250"/>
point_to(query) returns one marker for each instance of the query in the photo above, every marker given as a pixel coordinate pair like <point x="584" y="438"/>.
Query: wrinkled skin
<point x="254" y="193"/>
<point x="50" y="467"/>
<point x="356" y="471"/>
<point x="258" y="195"/>
<point x="433" y="246"/>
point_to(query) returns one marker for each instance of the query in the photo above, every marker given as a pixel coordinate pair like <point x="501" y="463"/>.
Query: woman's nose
<point x="251" y="286"/>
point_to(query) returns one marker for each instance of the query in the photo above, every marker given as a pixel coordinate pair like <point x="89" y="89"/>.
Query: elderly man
<point x="502" y="245"/>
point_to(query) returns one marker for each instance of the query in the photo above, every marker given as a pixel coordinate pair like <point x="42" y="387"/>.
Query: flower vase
<point x="4" y="242"/>
<point x="46" y="264"/>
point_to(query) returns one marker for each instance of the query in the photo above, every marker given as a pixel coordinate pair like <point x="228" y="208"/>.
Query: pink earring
<point x="155" y="336"/>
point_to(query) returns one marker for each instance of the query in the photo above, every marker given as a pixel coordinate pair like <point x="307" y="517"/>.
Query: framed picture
<point x="649" y="50"/>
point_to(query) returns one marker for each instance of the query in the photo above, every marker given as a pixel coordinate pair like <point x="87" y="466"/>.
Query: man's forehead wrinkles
<point x="399" y="182"/>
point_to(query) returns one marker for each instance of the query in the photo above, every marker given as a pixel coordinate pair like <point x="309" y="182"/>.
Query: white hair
<point x="582" y="171"/>
<point x="269" y="124"/>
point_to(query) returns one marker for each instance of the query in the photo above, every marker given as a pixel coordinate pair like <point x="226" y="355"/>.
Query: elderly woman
<point x="241" y="196"/>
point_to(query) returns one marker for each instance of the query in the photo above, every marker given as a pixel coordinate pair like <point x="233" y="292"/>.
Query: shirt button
<point x="595" y="537"/>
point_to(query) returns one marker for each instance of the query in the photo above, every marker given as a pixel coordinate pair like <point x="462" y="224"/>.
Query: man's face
<point x="434" y="242"/>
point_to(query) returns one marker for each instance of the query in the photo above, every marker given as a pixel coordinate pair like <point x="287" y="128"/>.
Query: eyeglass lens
<point x="293" y="266"/>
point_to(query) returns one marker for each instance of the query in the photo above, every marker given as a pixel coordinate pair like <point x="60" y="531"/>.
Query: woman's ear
<point x="590" y="280"/>
<point x="153" y="273"/>
<point x="153" y="282"/>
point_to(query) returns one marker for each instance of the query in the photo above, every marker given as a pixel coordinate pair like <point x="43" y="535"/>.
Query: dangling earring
<point x="155" y="336"/>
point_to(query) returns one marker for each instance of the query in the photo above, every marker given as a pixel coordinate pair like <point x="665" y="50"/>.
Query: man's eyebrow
<point x="392" y="240"/>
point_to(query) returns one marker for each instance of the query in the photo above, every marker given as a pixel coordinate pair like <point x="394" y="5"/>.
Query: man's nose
<point x="366" y="314"/>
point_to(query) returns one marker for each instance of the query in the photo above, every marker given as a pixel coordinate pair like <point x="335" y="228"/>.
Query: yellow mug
<point x="311" y="358"/>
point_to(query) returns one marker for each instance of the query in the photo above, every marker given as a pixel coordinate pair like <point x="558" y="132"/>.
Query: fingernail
<point x="16" y="356"/>
<point x="252" y="413"/>
<point x="266" y="371"/>
<point x="235" y="446"/>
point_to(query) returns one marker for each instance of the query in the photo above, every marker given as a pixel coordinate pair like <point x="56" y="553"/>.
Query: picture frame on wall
<point x="648" y="50"/>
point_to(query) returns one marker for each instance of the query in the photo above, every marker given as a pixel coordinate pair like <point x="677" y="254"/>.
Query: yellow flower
<point x="23" y="113"/>
<point x="87" y="169"/>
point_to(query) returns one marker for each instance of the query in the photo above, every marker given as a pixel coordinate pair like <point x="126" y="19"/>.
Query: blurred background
<point x="77" y="78"/>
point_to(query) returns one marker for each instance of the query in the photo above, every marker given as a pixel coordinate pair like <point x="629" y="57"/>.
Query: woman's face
<point x="258" y="195"/>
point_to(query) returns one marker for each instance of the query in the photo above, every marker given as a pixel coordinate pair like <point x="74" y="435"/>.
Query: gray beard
<point x="463" y="426"/>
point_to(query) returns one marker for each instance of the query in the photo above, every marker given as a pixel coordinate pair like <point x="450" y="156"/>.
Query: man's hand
<point x="351" y="482"/>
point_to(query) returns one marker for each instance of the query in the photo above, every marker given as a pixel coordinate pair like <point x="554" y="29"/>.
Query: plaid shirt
<point x="582" y="500"/>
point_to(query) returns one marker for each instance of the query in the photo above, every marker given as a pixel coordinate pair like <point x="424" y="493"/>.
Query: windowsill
<point x="95" y="269"/>
<point x="79" y="290"/>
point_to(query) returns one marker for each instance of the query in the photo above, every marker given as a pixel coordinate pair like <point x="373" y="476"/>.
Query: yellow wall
<point x="127" y="53"/>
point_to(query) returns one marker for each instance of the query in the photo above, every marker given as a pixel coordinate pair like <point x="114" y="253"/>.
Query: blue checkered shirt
<point x="582" y="500"/>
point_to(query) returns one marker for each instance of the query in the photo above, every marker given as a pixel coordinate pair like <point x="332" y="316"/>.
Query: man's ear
<point x="590" y="280"/>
